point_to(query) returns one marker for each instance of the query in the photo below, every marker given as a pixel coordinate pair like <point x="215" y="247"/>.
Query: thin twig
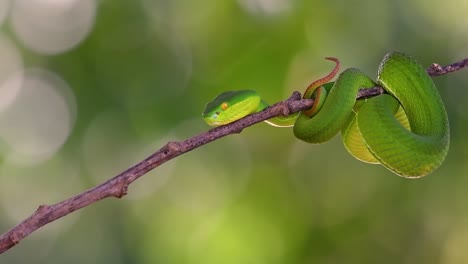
<point x="436" y="70"/>
<point x="117" y="186"/>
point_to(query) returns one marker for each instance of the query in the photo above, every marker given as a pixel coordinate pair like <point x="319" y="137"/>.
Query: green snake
<point x="406" y="129"/>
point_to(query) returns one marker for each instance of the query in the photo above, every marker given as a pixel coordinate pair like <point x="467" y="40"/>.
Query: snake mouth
<point x="212" y="120"/>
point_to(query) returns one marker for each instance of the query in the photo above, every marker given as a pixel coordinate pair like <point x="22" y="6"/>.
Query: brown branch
<point x="117" y="186"/>
<point x="436" y="70"/>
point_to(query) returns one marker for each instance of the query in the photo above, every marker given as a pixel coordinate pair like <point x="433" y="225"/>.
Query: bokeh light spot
<point x="266" y="7"/>
<point x="40" y="119"/>
<point x="10" y="63"/>
<point x="50" y="26"/>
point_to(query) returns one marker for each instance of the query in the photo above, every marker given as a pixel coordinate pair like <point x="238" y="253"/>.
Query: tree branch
<point x="117" y="186"/>
<point x="436" y="70"/>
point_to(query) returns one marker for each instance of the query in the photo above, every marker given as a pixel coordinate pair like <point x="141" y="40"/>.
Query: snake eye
<point x="224" y="106"/>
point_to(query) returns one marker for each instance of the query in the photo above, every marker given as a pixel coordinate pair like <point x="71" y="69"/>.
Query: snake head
<point x="231" y="106"/>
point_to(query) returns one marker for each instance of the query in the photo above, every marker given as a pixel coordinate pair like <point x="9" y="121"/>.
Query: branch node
<point x="295" y="96"/>
<point x="285" y="109"/>
<point x="286" y="106"/>
<point x="123" y="190"/>
<point x="436" y="67"/>
<point x="42" y="208"/>
<point x="173" y="146"/>
<point x="13" y="237"/>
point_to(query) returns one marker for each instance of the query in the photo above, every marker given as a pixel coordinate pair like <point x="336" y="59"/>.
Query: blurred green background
<point x="88" y="88"/>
